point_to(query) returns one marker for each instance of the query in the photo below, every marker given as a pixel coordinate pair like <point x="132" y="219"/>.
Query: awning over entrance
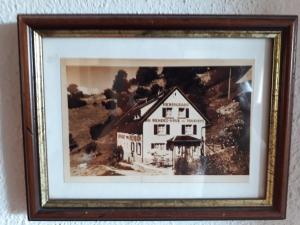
<point x="183" y="140"/>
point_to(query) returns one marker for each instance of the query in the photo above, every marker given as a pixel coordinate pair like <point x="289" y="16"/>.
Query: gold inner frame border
<point x="46" y="202"/>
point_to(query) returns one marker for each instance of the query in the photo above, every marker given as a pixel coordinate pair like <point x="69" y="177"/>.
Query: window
<point x="167" y="112"/>
<point x="161" y="129"/>
<point x="183" y="113"/>
<point x="158" y="146"/>
<point x="136" y="117"/>
<point x="189" y="129"/>
<point x="132" y="148"/>
<point x="138" y="148"/>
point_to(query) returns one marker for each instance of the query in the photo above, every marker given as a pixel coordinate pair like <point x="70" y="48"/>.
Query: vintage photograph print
<point x="158" y="120"/>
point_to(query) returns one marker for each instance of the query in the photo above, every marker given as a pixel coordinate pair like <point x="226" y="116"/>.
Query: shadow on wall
<point x="11" y="145"/>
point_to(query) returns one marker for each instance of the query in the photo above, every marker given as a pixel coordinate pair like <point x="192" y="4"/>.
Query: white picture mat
<point x="259" y="50"/>
<point x="138" y="63"/>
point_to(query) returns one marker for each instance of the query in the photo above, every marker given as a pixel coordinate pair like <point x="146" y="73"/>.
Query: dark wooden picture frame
<point x="32" y="28"/>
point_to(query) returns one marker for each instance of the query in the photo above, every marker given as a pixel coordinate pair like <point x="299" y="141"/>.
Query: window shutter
<point x="168" y="128"/>
<point x="164" y="112"/>
<point x="155" y="129"/>
<point x="138" y="148"/>
<point x="187" y="113"/>
<point x="195" y="129"/>
<point x="182" y="129"/>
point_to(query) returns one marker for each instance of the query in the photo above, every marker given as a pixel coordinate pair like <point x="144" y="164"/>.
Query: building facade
<point x="160" y="131"/>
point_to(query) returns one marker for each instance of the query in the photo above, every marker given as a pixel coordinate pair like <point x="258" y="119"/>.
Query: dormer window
<point x="167" y="112"/>
<point x="183" y="113"/>
<point x="136" y="117"/>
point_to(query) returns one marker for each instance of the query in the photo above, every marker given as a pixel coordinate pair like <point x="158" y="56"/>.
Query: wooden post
<point x="173" y="164"/>
<point x="229" y="83"/>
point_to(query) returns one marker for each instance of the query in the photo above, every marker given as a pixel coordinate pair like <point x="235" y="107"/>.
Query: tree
<point x="145" y="75"/>
<point x="121" y="83"/>
<point x="132" y="81"/>
<point x="110" y="104"/>
<point x="142" y="92"/>
<point x="155" y="90"/>
<point x="182" y="166"/>
<point x="183" y="77"/>
<point x="187" y="80"/>
<point x="109" y="93"/>
<point x="74" y="92"/>
<point x="75" y="102"/>
<point x="123" y="101"/>
<point x="72" y="89"/>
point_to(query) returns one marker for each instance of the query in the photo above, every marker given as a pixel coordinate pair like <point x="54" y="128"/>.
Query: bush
<point x="182" y="167"/>
<point x="123" y="101"/>
<point x="118" y="153"/>
<point x="91" y="147"/>
<point x="96" y="130"/>
<point x="72" y="89"/>
<point x="78" y="94"/>
<point x="72" y="142"/>
<point x="109" y="93"/>
<point x="74" y="102"/>
<point x="109" y="105"/>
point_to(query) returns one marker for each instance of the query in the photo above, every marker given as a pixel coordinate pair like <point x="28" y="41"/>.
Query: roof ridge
<point x="136" y="106"/>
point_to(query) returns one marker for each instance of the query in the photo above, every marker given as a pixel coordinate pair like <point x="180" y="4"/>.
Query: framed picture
<point x="156" y="117"/>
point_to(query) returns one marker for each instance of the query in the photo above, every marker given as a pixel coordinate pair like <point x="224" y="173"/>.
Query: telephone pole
<point x="229" y="83"/>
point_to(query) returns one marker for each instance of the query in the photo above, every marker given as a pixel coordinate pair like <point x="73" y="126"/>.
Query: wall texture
<point x="12" y="188"/>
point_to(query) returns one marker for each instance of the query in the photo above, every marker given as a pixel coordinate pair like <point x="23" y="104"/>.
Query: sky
<point x="95" y="79"/>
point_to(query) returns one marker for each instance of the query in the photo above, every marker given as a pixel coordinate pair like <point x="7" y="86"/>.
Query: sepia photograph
<point x="158" y="120"/>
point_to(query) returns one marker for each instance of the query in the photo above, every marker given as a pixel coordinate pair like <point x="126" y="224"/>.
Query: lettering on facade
<point x="121" y="136"/>
<point x="175" y="104"/>
<point x="170" y="120"/>
<point x="129" y="137"/>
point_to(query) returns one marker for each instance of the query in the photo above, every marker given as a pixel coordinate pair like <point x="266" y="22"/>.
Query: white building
<point x="163" y="129"/>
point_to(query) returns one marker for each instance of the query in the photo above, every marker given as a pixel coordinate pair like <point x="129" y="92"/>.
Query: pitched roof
<point x="131" y="127"/>
<point x="184" y="138"/>
<point x="124" y="122"/>
<point x="127" y="123"/>
<point x="158" y="103"/>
